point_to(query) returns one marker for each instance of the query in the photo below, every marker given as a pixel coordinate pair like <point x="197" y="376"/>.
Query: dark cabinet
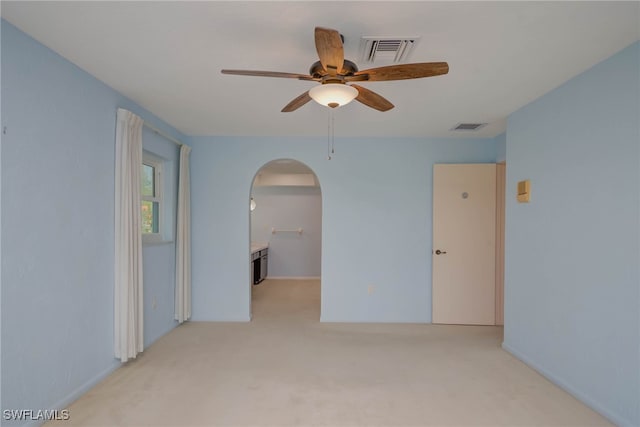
<point x="256" y="271"/>
<point x="259" y="265"/>
<point x="264" y="263"/>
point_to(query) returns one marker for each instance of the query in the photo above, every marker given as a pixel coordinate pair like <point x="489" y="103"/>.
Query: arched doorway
<point x="286" y="235"/>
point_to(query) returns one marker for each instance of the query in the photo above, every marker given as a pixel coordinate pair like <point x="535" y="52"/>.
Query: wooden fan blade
<point x="269" y="74"/>
<point x="372" y="99"/>
<point x="297" y="103"/>
<point x="402" y="72"/>
<point x="330" y="50"/>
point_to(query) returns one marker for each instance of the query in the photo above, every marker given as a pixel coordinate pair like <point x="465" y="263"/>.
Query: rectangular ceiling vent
<point x="387" y="49"/>
<point x="469" y="126"/>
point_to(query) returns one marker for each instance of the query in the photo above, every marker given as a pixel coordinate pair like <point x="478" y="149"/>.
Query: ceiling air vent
<point x="387" y="49"/>
<point x="469" y="126"/>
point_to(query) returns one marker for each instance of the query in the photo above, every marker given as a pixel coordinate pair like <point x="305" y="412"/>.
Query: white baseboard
<point x="75" y="395"/>
<point x="294" y="277"/>
<point x="616" y="419"/>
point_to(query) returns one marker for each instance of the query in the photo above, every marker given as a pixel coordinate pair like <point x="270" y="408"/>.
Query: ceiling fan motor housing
<point x="317" y="71"/>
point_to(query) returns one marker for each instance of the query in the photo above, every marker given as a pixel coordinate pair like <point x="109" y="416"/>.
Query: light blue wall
<point x="376" y="221"/>
<point x="572" y="279"/>
<point x="289" y="207"/>
<point x="57" y="227"/>
<point x="1" y="143"/>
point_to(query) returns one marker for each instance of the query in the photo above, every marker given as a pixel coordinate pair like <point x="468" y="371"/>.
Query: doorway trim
<point x="500" y="221"/>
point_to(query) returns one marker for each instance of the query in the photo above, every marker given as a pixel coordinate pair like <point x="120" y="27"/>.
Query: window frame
<point x="149" y="159"/>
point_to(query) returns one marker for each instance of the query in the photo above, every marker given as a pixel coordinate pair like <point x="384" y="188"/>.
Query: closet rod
<point x="275" y="230"/>
<point x="162" y="134"/>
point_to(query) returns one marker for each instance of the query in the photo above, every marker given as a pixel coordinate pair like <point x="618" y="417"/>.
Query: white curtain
<point x="183" y="240"/>
<point x="128" y="315"/>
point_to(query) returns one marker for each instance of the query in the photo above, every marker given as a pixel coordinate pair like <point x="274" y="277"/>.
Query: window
<point x="151" y="181"/>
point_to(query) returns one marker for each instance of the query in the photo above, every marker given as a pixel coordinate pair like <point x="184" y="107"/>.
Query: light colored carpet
<point x="286" y="368"/>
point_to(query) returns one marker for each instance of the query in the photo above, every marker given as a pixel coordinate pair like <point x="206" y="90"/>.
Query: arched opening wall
<point x="286" y="219"/>
<point x="376" y="222"/>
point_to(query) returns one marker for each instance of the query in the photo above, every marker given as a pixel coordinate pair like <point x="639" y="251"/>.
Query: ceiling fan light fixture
<point x="333" y="95"/>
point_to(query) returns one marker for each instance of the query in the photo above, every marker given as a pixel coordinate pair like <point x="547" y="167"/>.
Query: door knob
<point x="438" y="252"/>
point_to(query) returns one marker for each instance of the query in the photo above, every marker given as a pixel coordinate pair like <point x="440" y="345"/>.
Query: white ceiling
<point x="167" y="57"/>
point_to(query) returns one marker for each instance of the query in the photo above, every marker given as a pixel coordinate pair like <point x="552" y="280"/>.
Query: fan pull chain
<point x="333" y="131"/>
<point x="331" y="135"/>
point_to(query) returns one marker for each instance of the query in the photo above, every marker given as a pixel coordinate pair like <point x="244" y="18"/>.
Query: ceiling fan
<point x="334" y="72"/>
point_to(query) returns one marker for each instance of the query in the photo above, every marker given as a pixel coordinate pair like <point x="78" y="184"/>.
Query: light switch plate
<point x="524" y="191"/>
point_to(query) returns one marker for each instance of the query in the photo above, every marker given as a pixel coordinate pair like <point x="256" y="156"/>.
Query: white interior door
<point x="464" y="238"/>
